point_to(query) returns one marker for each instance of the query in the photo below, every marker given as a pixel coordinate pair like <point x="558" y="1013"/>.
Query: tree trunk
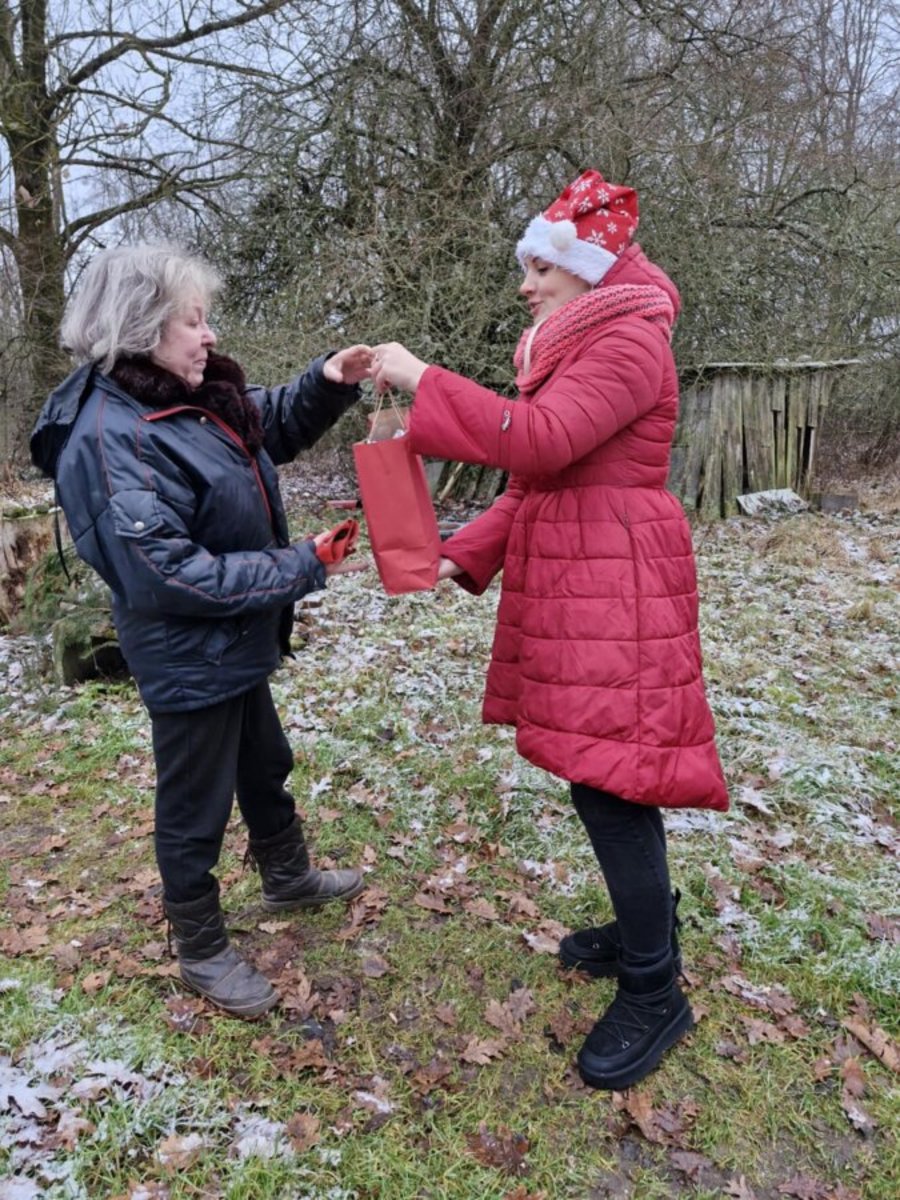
<point x="38" y="248"/>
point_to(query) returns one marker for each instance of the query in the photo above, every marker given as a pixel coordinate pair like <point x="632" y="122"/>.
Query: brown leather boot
<point x="210" y="965"/>
<point x="288" y="878"/>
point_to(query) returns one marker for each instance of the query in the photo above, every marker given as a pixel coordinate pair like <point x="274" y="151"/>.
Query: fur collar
<point x="223" y="392"/>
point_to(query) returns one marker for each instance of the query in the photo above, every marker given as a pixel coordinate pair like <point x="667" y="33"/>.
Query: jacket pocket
<point x="189" y="641"/>
<point x="135" y="512"/>
<point x="221" y="637"/>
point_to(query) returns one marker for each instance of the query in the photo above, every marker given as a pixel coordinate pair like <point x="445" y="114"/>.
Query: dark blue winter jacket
<point x="187" y="527"/>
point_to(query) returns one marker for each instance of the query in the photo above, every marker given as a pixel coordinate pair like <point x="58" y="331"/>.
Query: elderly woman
<point x="164" y="460"/>
<point x="596" y="658"/>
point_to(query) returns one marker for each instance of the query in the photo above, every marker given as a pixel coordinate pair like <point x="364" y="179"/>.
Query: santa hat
<point x="585" y="229"/>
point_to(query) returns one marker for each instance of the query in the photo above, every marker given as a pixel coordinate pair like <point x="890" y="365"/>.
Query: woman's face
<point x="547" y="287"/>
<point x="185" y="343"/>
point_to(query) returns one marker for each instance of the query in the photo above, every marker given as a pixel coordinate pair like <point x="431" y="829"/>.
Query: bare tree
<point x="105" y="109"/>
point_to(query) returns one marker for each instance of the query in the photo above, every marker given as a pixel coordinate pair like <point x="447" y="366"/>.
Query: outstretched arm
<point x="296" y="414"/>
<point x="614" y="380"/>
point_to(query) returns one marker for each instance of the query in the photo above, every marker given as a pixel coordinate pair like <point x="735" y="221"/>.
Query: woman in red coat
<point x="596" y="658"/>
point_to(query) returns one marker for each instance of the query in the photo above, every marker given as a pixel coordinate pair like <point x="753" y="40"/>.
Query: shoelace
<point x="623" y="1019"/>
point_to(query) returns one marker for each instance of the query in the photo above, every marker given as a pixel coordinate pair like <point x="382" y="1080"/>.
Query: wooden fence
<point x="747" y="427"/>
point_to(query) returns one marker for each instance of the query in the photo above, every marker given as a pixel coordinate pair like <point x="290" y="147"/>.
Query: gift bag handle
<point x="379" y="404"/>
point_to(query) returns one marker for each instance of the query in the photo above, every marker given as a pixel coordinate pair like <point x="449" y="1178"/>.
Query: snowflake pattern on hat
<point x="579" y="231"/>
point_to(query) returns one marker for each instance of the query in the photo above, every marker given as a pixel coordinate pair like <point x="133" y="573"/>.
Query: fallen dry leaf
<point x="462" y="833"/>
<point x="546" y="938"/>
<point x="70" y="1127"/>
<point x="762" y="1031"/>
<point x="16" y="942"/>
<point x="854" y="1080"/>
<point x="881" y="928"/>
<point x="504" y="1150"/>
<point x="481" y="908"/>
<point x="727" y="1049"/>
<point x="875" y="1039"/>
<point x="274" y="926"/>
<point x="740" y="1189"/>
<point x="500" y="1016"/>
<point x="310" y="1055"/>
<point x="303" y="1131"/>
<point x="297" y="994"/>
<point x="54" y="841"/>
<point x="446" y="1014"/>
<point x="666" y="1125"/>
<point x="521" y="905"/>
<point x="689" y="1163"/>
<point x="773" y="999"/>
<point x="430" y="901"/>
<point x="375" y="966"/>
<point x="431" y="1076"/>
<point x="17" y="1089"/>
<point x="520" y="1003"/>
<point x="177" y="1153"/>
<point x="480" y="1051"/>
<point x="854" y="1087"/>
<point x="183" y="1012"/>
<point x="803" y="1187"/>
<point x="95" y="982"/>
<point x="821" y="1069"/>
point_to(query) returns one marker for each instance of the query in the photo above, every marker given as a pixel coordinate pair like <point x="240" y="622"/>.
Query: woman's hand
<point x="350" y="365"/>
<point x="447" y="568"/>
<point x="348" y="566"/>
<point x="393" y="366"/>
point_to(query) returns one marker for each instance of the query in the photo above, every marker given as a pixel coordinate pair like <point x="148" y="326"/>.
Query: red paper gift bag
<point x="402" y="526"/>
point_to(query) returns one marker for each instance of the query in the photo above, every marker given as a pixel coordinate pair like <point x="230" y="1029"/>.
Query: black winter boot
<point x="649" y="1013"/>
<point x="596" y="951"/>
<point x="210" y="965"/>
<point x="288" y="879"/>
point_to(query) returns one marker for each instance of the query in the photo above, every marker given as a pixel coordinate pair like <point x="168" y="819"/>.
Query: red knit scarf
<point x="542" y="346"/>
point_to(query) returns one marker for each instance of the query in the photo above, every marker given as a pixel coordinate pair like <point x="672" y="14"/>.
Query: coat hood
<point x="633" y="266"/>
<point x="53" y="426"/>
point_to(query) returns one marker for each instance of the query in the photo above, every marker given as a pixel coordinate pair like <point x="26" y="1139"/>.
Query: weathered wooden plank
<point x="755" y="479"/>
<point x="711" y="480"/>
<point x="777" y="401"/>
<point x="795" y="415"/>
<point x="689" y="447"/>
<point x="735" y="394"/>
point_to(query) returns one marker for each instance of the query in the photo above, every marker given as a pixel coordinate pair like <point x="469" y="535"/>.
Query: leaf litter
<point x="805" y="707"/>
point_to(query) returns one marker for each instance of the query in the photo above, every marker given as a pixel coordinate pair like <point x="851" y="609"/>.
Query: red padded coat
<point x="596" y="657"/>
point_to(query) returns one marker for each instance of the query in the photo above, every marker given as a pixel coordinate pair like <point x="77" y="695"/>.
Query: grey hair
<point x="126" y="296"/>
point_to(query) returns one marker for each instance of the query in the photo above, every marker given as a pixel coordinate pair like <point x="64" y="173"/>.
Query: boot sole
<point x="617" y="1081"/>
<point x="312" y="901"/>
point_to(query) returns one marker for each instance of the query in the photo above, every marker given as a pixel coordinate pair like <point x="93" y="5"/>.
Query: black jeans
<point x="202" y="759"/>
<point x="629" y="841"/>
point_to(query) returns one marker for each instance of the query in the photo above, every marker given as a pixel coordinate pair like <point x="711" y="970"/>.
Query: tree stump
<point x="25" y="537"/>
<point x="86" y="647"/>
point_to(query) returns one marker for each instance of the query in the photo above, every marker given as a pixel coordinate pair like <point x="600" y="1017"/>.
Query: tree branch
<point x="130" y="42"/>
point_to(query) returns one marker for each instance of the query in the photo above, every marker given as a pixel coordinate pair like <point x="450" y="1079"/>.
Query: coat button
<point x="203" y="420"/>
<point x="139" y="525"/>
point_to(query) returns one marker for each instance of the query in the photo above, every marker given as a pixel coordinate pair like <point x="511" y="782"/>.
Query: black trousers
<point x="203" y="758"/>
<point x="629" y="841"/>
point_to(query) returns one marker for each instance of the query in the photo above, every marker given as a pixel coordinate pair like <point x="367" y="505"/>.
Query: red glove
<point x="337" y="543"/>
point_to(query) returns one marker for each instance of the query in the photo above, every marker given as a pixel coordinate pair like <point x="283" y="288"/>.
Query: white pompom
<point x="563" y="235"/>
